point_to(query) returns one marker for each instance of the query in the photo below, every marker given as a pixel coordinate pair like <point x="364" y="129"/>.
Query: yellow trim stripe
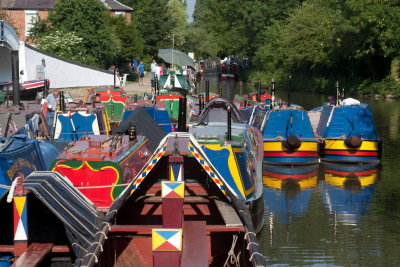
<point x="278" y="146"/>
<point x="232" y="164"/>
<point x="339" y="180"/>
<point x="339" y="145"/>
<point x="276" y="183"/>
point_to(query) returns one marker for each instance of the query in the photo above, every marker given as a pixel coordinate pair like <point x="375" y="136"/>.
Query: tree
<point x="87" y="20"/>
<point x="132" y="44"/>
<point x="63" y="44"/>
<point x="177" y="21"/>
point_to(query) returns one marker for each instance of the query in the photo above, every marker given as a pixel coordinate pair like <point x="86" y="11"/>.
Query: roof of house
<point x="113" y="5"/>
<point x="27" y="4"/>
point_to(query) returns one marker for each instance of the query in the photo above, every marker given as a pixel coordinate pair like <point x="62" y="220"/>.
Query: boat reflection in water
<point x="288" y="190"/>
<point x="348" y="190"/>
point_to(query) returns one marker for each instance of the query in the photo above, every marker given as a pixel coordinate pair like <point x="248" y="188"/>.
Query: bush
<point x="385" y="87"/>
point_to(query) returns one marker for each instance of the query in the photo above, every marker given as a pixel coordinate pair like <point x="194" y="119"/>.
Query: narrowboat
<point x="117" y="158"/>
<point x="348" y="189"/>
<point x="74" y="120"/>
<point x="348" y="130"/>
<point x="288" y="136"/>
<point x="235" y="149"/>
<point x="156" y="109"/>
<point x="288" y="190"/>
<point x="180" y="210"/>
<point x="20" y="155"/>
<point x="228" y="71"/>
<point x="58" y="212"/>
<point x="260" y="97"/>
<point x="101" y="166"/>
<point x="171" y="100"/>
<point x="177" y="211"/>
<point x="113" y="98"/>
<point x="173" y="82"/>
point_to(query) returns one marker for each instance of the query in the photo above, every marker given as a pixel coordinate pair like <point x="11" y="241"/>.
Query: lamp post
<point x="173" y="43"/>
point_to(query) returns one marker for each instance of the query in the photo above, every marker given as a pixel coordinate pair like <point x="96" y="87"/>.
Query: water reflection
<point x="287" y="190"/>
<point x="347" y="191"/>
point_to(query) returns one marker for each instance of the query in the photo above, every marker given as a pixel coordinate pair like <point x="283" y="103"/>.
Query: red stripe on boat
<point x="290" y="154"/>
<point x="351" y="153"/>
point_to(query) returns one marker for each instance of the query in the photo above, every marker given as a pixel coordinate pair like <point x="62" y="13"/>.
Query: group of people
<point x="138" y="67"/>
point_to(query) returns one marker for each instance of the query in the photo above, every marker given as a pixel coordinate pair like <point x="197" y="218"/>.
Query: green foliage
<point x="315" y="41"/>
<point x="385" y="87"/>
<point x="87" y="20"/>
<point x="64" y="44"/>
<point x="132" y="45"/>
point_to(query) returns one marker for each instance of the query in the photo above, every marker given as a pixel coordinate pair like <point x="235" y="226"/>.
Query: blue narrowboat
<point x="349" y="132"/>
<point x="287" y="134"/>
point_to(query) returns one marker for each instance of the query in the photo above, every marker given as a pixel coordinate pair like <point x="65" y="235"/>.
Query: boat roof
<point x="285" y="122"/>
<point x="346" y="121"/>
<point x="216" y="111"/>
<point x="145" y="125"/>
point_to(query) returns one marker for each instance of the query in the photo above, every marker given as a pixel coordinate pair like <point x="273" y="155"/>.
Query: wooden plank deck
<point x="228" y="213"/>
<point x="314" y="119"/>
<point x="35" y="253"/>
<point x="195" y="245"/>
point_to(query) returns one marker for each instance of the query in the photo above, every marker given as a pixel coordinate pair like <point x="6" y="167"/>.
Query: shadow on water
<point x="333" y="215"/>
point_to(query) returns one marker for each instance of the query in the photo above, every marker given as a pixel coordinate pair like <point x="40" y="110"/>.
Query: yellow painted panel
<point x="277" y="146"/>
<point x="339" y="144"/>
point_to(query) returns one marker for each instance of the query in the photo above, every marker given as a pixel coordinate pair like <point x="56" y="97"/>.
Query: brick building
<point x="21" y="13"/>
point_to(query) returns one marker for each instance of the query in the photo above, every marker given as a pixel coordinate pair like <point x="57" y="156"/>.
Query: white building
<point x="20" y="62"/>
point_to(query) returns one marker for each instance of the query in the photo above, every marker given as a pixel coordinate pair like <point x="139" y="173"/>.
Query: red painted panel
<point x="172" y="212"/>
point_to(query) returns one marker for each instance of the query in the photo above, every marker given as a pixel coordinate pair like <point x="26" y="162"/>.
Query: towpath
<point x="131" y="88"/>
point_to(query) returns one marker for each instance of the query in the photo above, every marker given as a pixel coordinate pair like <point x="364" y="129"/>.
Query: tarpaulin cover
<point x="79" y="215"/>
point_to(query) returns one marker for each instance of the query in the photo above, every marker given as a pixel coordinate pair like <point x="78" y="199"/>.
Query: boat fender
<point x="353" y="142"/>
<point x="292" y="142"/>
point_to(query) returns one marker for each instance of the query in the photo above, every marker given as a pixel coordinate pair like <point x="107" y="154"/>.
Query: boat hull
<point x="276" y="153"/>
<point x="337" y="150"/>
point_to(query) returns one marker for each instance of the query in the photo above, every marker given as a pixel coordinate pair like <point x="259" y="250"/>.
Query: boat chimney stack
<point x="156" y="89"/>
<point x="229" y="122"/>
<point x="342" y="95"/>
<point x="15" y="77"/>
<point x="132" y="132"/>
<point x="337" y="93"/>
<point x="115" y="78"/>
<point x="201" y="103"/>
<point x="182" y="115"/>
<point x="62" y="102"/>
<point x="290" y="91"/>
<point x="259" y="90"/>
<point x="207" y="91"/>
<point x="273" y="93"/>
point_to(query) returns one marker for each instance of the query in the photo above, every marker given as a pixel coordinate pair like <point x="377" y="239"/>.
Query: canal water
<point x="335" y="215"/>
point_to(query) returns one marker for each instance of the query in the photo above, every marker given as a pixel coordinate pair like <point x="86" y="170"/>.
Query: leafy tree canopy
<point x="87" y="20"/>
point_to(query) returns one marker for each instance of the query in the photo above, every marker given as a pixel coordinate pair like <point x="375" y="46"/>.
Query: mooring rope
<point x="232" y="259"/>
